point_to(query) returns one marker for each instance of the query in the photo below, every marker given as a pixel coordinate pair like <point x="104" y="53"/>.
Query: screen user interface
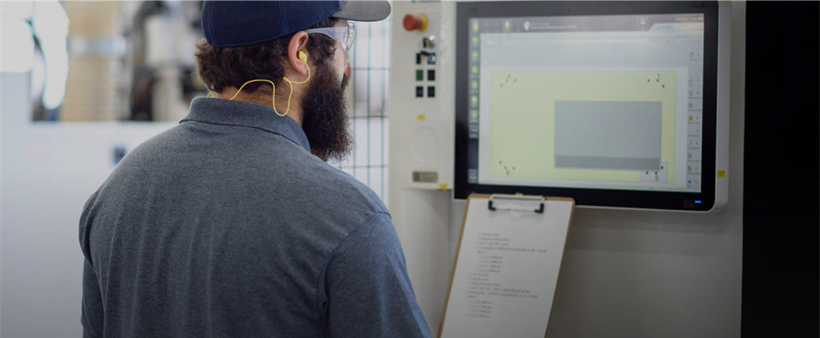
<point x="603" y="102"/>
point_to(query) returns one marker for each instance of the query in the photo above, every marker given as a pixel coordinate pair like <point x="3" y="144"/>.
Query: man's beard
<point x="324" y="115"/>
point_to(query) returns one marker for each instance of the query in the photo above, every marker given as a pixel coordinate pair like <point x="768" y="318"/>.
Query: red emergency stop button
<point x="415" y="21"/>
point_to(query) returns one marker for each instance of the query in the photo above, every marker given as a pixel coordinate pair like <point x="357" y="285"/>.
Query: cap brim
<point x="373" y="10"/>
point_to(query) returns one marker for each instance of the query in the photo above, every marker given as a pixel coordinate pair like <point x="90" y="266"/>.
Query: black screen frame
<point x="586" y="196"/>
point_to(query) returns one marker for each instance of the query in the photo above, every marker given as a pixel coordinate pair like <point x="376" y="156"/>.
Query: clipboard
<point x="486" y="299"/>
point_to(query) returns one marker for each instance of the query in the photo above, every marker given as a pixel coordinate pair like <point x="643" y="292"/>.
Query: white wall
<point x="654" y="274"/>
<point x="48" y="172"/>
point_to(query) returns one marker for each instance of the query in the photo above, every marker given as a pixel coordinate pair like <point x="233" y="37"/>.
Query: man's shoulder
<point x="339" y="186"/>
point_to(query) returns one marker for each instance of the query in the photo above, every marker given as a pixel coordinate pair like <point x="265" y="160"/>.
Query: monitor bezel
<point x="585" y="196"/>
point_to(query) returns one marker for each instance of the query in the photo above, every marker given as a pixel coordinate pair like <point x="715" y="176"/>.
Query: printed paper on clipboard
<point x="506" y="268"/>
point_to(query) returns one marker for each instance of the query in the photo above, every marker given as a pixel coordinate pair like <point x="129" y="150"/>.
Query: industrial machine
<point x="615" y="104"/>
<point x="618" y="105"/>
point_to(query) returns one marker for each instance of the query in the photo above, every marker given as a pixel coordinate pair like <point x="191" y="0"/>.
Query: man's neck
<point x="294" y="112"/>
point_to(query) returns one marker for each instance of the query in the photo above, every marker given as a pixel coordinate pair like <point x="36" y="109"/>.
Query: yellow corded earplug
<point x="302" y="56"/>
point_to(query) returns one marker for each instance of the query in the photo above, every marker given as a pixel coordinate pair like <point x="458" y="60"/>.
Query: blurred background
<point x="83" y="83"/>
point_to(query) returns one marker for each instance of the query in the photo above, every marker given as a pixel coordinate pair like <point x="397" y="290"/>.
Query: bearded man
<point x="232" y="224"/>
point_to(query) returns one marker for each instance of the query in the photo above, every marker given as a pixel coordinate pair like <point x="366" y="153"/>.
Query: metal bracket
<point x="517" y="196"/>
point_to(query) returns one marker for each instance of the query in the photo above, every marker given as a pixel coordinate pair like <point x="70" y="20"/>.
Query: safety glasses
<point x="345" y="35"/>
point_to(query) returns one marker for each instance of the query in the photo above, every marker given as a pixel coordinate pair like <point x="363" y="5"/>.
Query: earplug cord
<point x="303" y="57"/>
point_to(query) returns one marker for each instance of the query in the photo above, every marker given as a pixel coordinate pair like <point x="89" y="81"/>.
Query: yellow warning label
<point x="421" y="117"/>
<point x="721" y="173"/>
<point x="442" y="186"/>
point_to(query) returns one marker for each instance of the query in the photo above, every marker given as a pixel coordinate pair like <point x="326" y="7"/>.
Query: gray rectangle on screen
<point x="608" y="135"/>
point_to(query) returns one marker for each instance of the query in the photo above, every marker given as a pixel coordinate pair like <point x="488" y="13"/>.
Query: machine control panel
<point x="422" y="155"/>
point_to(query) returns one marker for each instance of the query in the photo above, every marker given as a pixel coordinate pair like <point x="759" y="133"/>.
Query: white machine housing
<point x="426" y="217"/>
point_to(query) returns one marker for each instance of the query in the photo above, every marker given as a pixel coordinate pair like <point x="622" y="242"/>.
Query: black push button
<point x="431" y="75"/>
<point x="419" y="91"/>
<point x="418" y="58"/>
<point x="431" y="91"/>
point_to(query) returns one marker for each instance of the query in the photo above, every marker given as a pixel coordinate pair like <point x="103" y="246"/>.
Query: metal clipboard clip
<point x="517" y="196"/>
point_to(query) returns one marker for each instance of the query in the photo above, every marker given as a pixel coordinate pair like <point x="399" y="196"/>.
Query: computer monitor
<point x="614" y="104"/>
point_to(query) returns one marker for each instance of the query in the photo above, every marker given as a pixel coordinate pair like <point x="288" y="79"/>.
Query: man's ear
<point x="297" y="43"/>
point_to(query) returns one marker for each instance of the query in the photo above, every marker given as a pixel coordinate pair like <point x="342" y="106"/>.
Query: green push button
<point x="419" y="75"/>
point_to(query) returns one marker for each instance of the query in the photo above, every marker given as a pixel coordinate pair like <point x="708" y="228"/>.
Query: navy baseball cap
<point x="242" y="23"/>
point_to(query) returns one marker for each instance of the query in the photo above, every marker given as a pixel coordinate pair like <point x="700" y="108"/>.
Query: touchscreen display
<point x="601" y="102"/>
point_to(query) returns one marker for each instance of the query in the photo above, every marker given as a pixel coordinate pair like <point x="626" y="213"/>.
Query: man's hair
<point x="220" y="67"/>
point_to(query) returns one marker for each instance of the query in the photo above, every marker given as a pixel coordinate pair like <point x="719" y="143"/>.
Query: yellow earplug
<point x="302" y="56"/>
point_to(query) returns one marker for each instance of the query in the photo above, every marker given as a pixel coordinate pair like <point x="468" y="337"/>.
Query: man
<point x="231" y="224"/>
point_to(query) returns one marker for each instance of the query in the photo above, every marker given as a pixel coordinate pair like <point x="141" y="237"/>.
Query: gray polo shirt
<point x="227" y="226"/>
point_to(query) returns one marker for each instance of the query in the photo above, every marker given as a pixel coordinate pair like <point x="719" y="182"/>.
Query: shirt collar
<point x="246" y="114"/>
